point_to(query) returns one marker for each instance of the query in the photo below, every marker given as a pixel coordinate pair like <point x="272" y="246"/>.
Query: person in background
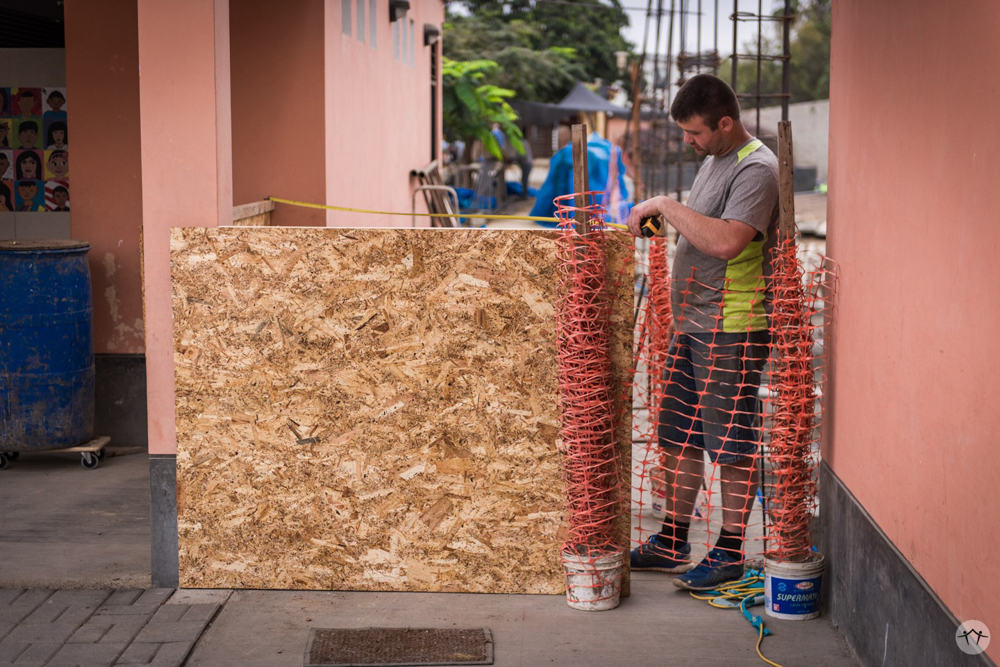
<point x="605" y="172"/>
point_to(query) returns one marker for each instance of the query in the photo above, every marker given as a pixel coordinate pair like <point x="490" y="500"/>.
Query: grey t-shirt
<point x="710" y="294"/>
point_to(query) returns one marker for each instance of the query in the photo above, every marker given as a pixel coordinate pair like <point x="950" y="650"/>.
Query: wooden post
<point x="580" y="180"/>
<point x="636" y="150"/>
<point x="786" y="182"/>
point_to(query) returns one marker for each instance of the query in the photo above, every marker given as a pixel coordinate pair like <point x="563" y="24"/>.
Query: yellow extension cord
<point x="738" y="591"/>
<point x="430" y="215"/>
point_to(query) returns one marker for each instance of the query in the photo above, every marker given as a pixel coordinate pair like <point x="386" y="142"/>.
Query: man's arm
<point x="722" y="239"/>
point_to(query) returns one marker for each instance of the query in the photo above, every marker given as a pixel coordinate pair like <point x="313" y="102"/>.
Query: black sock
<point x="731" y="542"/>
<point x="673" y="534"/>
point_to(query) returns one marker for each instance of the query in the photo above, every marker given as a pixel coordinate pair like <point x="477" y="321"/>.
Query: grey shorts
<point x="710" y="393"/>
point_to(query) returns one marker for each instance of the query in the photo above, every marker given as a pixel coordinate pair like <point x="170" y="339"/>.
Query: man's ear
<point x="726" y="124"/>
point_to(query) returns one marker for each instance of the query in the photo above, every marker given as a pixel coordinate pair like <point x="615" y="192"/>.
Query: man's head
<point x="55" y="100"/>
<point x="707" y="110"/>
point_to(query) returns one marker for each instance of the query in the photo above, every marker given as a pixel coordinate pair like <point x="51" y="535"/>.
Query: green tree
<point x="470" y="107"/>
<point x="810" y="57"/>
<point x="535" y="76"/>
<point x="591" y="29"/>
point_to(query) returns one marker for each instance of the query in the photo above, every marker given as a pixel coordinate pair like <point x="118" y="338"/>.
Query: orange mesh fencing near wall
<point x="697" y="395"/>
<point x="693" y="396"/>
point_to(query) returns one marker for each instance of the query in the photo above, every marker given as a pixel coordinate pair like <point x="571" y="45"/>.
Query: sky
<point x="636" y="10"/>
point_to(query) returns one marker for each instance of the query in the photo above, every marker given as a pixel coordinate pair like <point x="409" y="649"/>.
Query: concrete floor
<point x="66" y="527"/>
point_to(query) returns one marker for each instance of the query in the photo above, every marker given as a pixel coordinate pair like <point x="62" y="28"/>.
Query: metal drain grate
<point x="397" y="647"/>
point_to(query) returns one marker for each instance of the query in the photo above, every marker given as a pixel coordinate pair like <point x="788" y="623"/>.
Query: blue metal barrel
<point x="46" y="345"/>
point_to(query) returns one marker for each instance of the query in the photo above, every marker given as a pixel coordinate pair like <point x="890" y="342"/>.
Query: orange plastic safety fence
<point x="593" y="552"/>
<point x="724" y="441"/>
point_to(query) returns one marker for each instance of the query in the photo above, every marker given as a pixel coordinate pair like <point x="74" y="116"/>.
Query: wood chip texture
<point x="370" y="409"/>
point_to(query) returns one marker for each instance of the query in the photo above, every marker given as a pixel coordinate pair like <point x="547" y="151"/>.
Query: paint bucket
<point x="792" y="590"/>
<point x="594" y="579"/>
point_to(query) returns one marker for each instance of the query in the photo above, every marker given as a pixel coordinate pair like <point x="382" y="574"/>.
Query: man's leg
<point x="729" y="412"/>
<point x="679" y="435"/>
<point x="739" y="488"/>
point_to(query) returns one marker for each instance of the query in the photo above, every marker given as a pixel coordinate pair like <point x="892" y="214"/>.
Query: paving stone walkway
<point x="98" y="628"/>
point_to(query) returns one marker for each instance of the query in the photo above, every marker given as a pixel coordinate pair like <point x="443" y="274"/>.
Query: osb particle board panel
<point x="370" y="409"/>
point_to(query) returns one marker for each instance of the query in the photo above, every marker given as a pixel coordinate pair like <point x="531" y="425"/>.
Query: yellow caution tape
<point x="422" y="215"/>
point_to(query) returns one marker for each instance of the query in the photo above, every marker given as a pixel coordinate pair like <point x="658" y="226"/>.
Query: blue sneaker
<point x="652" y="555"/>
<point x="718" y="568"/>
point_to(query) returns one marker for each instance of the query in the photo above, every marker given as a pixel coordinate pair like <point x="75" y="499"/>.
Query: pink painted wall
<point x="378" y="115"/>
<point x="914" y="160"/>
<point x="186" y="165"/>
<point x="278" y="106"/>
<point x="102" y="75"/>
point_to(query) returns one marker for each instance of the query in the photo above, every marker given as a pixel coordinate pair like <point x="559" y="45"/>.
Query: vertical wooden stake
<point x="636" y="152"/>
<point x="580" y="181"/>
<point x="786" y="182"/>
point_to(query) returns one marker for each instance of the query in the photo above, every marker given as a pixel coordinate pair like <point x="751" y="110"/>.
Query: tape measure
<point x="651" y="226"/>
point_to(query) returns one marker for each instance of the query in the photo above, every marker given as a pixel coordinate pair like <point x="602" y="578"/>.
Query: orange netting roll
<point x="591" y="469"/>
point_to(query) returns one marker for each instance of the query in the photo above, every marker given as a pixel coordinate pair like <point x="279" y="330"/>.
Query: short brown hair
<point x="707" y="96"/>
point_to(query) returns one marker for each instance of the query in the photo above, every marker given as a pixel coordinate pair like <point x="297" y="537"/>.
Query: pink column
<point x="278" y="113"/>
<point x="186" y="165"/>
<point x="102" y="74"/>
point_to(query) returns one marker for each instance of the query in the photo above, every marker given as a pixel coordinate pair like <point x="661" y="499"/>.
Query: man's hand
<point x="645" y="209"/>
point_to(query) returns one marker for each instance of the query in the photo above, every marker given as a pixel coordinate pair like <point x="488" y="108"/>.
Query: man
<point x="720" y="304"/>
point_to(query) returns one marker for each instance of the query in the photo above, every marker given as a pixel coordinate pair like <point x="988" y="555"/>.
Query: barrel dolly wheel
<point x="13" y="456"/>
<point x="102" y="454"/>
<point x="90" y="460"/>
<point x="3" y="460"/>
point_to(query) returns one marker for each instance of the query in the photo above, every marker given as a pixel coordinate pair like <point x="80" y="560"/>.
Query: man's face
<point x="703" y="140"/>
<point x="60" y="197"/>
<point x="27" y="191"/>
<point x="26" y="103"/>
<point x="56" y="102"/>
<point x="59" y="165"/>
<point x="28" y="138"/>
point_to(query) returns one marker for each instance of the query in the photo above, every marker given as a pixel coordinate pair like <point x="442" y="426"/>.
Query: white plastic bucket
<point x="792" y="590"/>
<point x="593" y="581"/>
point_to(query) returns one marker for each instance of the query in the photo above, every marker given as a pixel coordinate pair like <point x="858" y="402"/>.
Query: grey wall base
<point x="120" y="399"/>
<point x="885" y="610"/>
<point x="163" y="520"/>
